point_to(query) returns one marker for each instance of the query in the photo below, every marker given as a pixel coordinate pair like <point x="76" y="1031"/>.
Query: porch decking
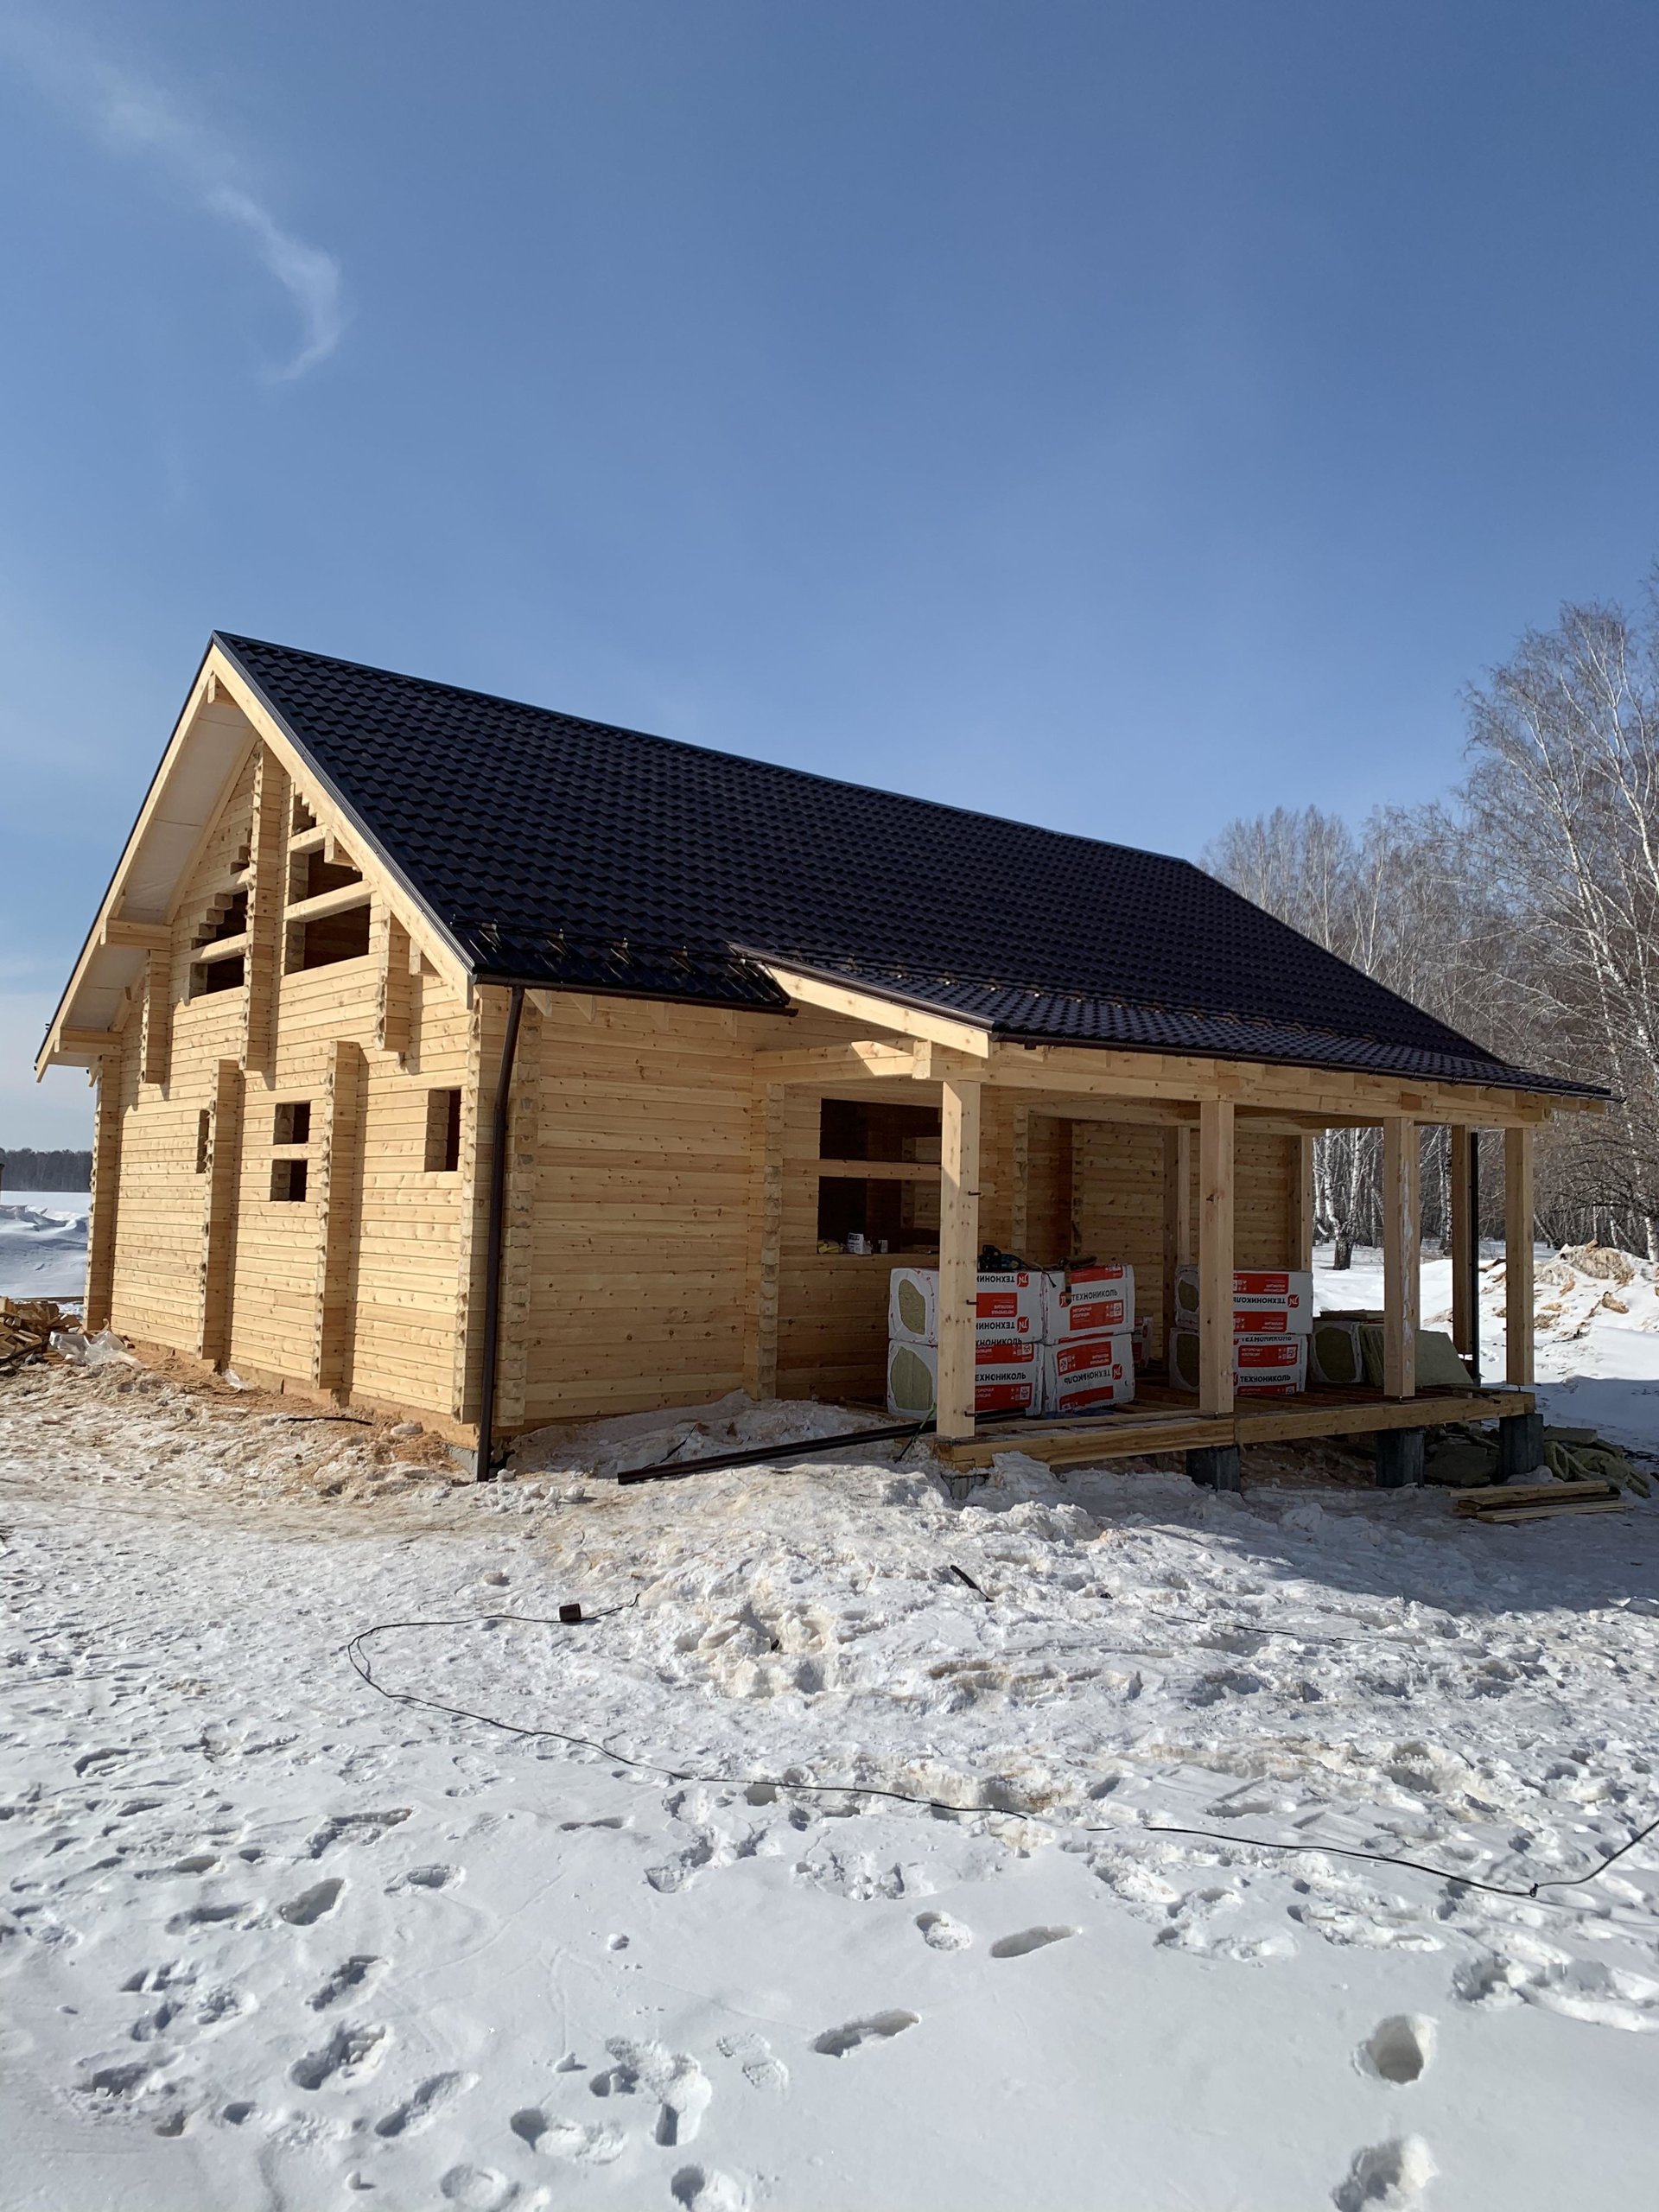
<point x="1162" y="1420"/>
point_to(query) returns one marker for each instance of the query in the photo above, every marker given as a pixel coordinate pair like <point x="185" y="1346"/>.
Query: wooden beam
<point x="1518" y="1226"/>
<point x="959" y="1256"/>
<point x="877" y="1170"/>
<point x="1301" y="1201"/>
<point x="141" y="936"/>
<point x="766" y="1241"/>
<point x="106" y="1196"/>
<point x="1463" y="1334"/>
<point x="339" y="901"/>
<point x="1216" y="1257"/>
<point x="1178" y="1217"/>
<point x="222" y="1176"/>
<point x="89" y="1041"/>
<point x="883" y="1013"/>
<point x="1402" y="1255"/>
<point x="868" y="1057"/>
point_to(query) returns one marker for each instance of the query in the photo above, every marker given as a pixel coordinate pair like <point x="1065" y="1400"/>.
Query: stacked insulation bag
<point x="1273" y="1317"/>
<point x="1045" y="1340"/>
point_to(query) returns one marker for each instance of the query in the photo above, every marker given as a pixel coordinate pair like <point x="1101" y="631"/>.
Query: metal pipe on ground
<point x="492" y="1251"/>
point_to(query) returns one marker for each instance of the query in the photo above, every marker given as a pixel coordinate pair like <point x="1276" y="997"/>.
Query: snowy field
<point x="42" y="1244"/>
<point x="271" y="1939"/>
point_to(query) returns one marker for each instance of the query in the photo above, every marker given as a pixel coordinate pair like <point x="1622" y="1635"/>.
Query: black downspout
<point x="1474" y="1254"/>
<point x="492" y="1251"/>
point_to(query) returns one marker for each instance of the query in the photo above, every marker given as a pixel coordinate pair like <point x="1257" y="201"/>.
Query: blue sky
<point x="1119" y="416"/>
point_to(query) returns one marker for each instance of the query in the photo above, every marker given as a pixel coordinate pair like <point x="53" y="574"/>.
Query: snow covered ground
<point x="42" y="1244"/>
<point x="269" y="1938"/>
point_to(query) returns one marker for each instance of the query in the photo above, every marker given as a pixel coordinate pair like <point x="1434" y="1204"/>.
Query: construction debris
<point x="1538" y="1501"/>
<point x="27" y="1327"/>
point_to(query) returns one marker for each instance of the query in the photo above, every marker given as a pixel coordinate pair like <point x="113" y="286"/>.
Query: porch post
<point x="1517" y="1255"/>
<point x="105" y="1193"/>
<point x="1301" y="1202"/>
<point x="959" y="1254"/>
<point x="1216" y="1257"/>
<point x="1178" y="1219"/>
<point x="1463" y="1233"/>
<point x="1401" y="1255"/>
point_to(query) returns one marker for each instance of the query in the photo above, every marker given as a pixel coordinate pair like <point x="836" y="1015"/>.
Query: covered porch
<point x="1214" y="1162"/>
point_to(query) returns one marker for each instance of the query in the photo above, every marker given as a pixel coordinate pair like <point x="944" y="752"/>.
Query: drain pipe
<point x="493" y="1251"/>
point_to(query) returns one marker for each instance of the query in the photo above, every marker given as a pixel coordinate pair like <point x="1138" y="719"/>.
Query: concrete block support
<point x="1519" y="1445"/>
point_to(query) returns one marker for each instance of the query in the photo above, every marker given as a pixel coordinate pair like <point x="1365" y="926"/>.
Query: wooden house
<point x="502" y="1068"/>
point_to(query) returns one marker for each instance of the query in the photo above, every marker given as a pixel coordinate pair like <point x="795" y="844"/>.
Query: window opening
<point x="291" y="1123"/>
<point x="442" y="1132"/>
<point x="204" y="1140"/>
<point x="330" y="938"/>
<point x="287" y="1179"/>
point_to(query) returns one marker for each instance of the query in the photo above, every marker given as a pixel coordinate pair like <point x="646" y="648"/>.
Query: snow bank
<point x="43" y="1243"/>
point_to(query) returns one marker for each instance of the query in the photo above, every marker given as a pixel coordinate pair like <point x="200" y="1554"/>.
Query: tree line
<point x="1523" y="910"/>
<point x="23" y="1170"/>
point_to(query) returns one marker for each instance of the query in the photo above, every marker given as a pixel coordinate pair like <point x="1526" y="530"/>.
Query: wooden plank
<point x="878" y="1171"/>
<point x="1464" y="1325"/>
<point x="155" y="1033"/>
<point x="142" y="936"/>
<point x="1216" y="1257"/>
<point x="1518" y="1222"/>
<point x="879" y="1057"/>
<point x="341" y="900"/>
<point x="1178" y="1220"/>
<point x="1402" y="1255"/>
<point x="959" y="1256"/>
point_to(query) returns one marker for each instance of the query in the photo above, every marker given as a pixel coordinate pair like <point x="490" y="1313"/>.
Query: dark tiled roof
<point x="554" y="851"/>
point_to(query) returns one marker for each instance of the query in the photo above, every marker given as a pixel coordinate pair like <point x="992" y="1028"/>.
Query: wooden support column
<point x="1178" y="1219"/>
<point x="395" y="984"/>
<point x="519" y="1227"/>
<point x="339" y="1174"/>
<point x="1402" y="1255"/>
<point x="1020" y="1198"/>
<point x="105" y="1193"/>
<point x="1517" y="1255"/>
<point x="273" y="813"/>
<point x="1301" y="1201"/>
<point x="222" y="1176"/>
<point x="958" y="1254"/>
<point x="765" y="1240"/>
<point x="486" y="1032"/>
<point x="1464" y="1325"/>
<point x="156" y="1030"/>
<point x="1216" y="1257"/>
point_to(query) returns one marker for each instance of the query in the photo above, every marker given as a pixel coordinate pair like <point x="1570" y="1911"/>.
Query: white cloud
<point x="131" y="115"/>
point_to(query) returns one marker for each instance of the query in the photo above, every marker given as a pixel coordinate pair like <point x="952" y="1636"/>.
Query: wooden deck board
<point x="1165" y="1421"/>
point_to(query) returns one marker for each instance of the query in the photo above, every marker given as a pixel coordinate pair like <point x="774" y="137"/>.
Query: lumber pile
<point x="26" y="1329"/>
<point x="1537" y="1501"/>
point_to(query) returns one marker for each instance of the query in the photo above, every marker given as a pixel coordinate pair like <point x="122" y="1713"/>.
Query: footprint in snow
<point x="941" y="1933"/>
<point x="424" y="1877"/>
<point x="674" y="2078"/>
<point x="568" y="2139"/>
<point x="351" y="1974"/>
<point x="1028" y="1939"/>
<point x="880" y="2027"/>
<point x="1398" y="2050"/>
<point x="349" y="2053"/>
<point x="701" y="2188"/>
<point x="477" y="2188"/>
<point x="418" y="2111"/>
<point x="1387" y="2178"/>
<point x="309" y="1907"/>
<point x="355" y="1827"/>
<point x="761" y="2071"/>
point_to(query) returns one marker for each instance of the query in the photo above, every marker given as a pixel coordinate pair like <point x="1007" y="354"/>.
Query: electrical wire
<point x="354" y="1650"/>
